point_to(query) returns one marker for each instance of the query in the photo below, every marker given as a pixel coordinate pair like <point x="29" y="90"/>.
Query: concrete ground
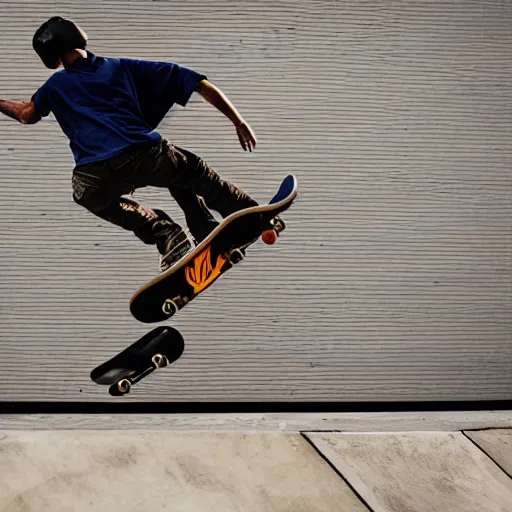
<point x="257" y="463"/>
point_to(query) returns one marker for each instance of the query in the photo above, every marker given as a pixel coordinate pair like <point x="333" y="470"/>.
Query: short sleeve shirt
<point x="105" y="105"/>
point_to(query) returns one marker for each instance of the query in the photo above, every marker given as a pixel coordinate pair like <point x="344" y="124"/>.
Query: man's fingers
<point x="241" y="139"/>
<point x="250" y="138"/>
<point x="243" y="142"/>
<point x="246" y="137"/>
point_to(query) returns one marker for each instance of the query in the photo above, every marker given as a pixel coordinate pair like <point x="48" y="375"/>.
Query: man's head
<point x="55" y="38"/>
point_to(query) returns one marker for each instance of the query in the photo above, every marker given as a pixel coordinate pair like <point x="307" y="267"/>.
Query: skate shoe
<point x="177" y="245"/>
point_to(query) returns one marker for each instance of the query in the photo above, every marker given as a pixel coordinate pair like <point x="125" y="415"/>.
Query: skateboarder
<point x="109" y="109"/>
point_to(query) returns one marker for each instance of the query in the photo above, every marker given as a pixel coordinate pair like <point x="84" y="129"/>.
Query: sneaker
<point x="177" y="245"/>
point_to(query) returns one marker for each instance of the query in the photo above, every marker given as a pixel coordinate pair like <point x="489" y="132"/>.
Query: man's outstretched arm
<point x="23" y="111"/>
<point x="216" y="97"/>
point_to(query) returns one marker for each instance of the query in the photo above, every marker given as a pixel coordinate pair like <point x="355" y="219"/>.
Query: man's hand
<point x="246" y="136"/>
<point x="216" y="97"/>
<point x="24" y="112"/>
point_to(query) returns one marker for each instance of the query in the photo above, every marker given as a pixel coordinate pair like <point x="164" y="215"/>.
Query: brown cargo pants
<point x="102" y="188"/>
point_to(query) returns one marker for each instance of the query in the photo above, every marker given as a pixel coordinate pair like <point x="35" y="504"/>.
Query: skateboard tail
<point x="287" y="189"/>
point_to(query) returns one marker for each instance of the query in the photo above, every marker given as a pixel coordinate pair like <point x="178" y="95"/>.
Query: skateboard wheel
<point x="269" y="236"/>
<point x="236" y="256"/>
<point x="169" y="307"/>
<point x="124" y="386"/>
<point x="160" y="361"/>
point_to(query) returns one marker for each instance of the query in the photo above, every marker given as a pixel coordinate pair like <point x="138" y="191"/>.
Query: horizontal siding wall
<point x="394" y="278"/>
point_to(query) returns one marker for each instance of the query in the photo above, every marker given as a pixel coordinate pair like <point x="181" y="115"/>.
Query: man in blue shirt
<point x="109" y="109"/>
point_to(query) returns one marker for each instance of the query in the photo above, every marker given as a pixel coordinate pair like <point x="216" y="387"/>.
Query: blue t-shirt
<point x="104" y="105"/>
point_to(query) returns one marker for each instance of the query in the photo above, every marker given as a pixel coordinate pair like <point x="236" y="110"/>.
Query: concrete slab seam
<point x="486" y="453"/>
<point x="337" y="471"/>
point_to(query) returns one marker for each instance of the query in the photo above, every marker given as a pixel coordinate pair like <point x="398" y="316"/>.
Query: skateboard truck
<point x="269" y="236"/>
<point x="236" y="256"/>
<point x="124" y="386"/>
<point x="172" y="306"/>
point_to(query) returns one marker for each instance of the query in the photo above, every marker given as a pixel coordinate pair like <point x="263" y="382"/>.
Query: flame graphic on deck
<point x="200" y="272"/>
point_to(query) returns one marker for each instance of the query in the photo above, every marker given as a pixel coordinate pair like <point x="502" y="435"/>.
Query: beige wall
<point x="393" y="281"/>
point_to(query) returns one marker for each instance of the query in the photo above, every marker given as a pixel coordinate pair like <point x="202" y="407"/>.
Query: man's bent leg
<point x="199" y="219"/>
<point x="101" y="196"/>
<point x="177" y="168"/>
<point x="219" y="195"/>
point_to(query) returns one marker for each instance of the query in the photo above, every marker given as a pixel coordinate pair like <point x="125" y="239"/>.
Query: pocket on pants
<point x="94" y="192"/>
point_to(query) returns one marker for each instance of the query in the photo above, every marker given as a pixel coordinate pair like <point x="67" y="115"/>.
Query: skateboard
<point x="158" y="348"/>
<point x="169" y="292"/>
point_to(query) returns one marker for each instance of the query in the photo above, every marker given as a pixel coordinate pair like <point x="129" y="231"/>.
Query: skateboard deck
<point x="158" y="348"/>
<point x="169" y="292"/>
